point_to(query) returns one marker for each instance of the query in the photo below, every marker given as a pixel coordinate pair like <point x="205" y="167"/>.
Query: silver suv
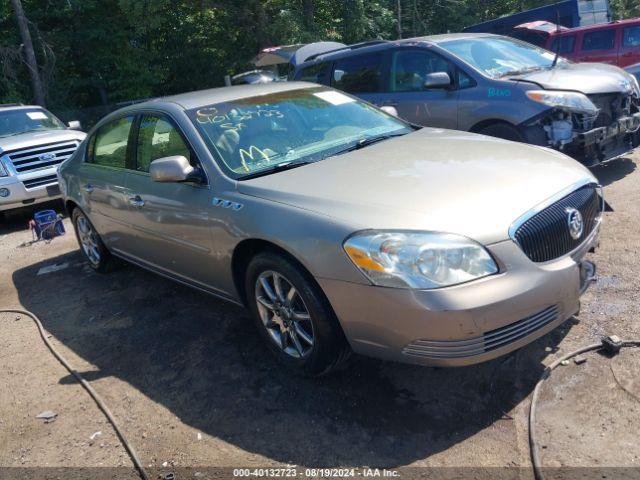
<point x="341" y="227"/>
<point x="33" y="143"/>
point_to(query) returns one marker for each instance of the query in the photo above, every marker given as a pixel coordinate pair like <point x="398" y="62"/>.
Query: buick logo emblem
<point x="47" y="156"/>
<point x="575" y="223"/>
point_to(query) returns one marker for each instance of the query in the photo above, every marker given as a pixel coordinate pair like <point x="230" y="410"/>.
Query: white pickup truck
<point x="33" y="142"/>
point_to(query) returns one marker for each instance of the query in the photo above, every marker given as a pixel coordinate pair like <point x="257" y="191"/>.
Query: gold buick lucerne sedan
<point x="342" y="228"/>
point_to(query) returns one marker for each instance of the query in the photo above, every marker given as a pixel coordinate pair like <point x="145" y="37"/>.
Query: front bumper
<point x="605" y="143"/>
<point x="20" y="196"/>
<point x="464" y="324"/>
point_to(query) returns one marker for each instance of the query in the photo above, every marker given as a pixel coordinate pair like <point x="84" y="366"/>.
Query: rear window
<point x="358" y="74"/>
<point x="599" y="40"/>
<point x="315" y="73"/>
<point x="567" y="44"/>
<point x="631" y="37"/>
<point x="109" y="145"/>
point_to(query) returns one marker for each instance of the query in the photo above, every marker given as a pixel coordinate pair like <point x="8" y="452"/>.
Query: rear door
<point x="405" y="91"/>
<point x="360" y="75"/>
<point x="103" y="179"/>
<point x="630" y="46"/>
<point x="599" y="46"/>
<point x="169" y="221"/>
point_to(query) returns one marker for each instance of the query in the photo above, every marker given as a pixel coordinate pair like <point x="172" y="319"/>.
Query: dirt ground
<point x="191" y="384"/>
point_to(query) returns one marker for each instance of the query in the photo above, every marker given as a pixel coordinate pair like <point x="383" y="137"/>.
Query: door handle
<point x="88" y="188"/>
<point x="136" y="201"/>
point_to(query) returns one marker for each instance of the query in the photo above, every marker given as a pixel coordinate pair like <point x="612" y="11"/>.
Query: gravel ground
<point x="193" y="387"/>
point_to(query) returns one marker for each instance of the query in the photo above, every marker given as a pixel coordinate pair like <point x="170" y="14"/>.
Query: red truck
<point x="617" y="43"/>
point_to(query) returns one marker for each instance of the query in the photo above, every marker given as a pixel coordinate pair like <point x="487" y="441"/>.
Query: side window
<point x="314" y="73"/>
<point x="567" y="44"/>
<point x="158" y="138"/>
<point x="599" y="40"/>
<point x="631" y="37"/>
<point x="358" y="74"/>
<point x="109" y="146"/>
<point x="465" y="81"/>
<point x="409" y="69"/>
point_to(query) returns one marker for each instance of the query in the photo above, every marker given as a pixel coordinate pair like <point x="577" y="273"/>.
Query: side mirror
<point x="390" y="110"/>
<point x="74" y="125"/>
<point x="437" y="80"/>
<point x="171" y="169"/>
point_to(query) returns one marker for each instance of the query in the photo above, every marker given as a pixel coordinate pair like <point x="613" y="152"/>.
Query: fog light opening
<point x="4" y="192"/>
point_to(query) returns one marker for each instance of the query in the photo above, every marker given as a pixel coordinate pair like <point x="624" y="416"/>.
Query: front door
<point x="599" y="46"/>
<point x="169" y="220"/>
<point x="406" y="92"/>
<point x="630" y="46"/>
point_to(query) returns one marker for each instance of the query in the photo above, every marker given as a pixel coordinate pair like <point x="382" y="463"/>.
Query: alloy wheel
<point x="284" y="314"/>
<point x="88" y="240"/>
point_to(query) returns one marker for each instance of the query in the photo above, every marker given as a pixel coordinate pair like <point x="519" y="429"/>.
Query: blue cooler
<point x="48" y="224"/>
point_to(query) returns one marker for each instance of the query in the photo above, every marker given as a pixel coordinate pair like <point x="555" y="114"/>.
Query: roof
<point x="600" y="26"/>
<point x="17" y="106"/>
<point x="224" y="94"/>
<point x="375" y="45"/>
<point x="445" y="37"/>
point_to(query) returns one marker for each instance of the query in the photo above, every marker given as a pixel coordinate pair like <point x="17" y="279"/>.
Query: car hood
<point x="588" y="78"/>
<point x="432" y="179"/>
<point x="33" y="139"/>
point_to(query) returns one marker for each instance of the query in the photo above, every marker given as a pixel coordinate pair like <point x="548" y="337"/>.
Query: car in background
<point x="616" y="43"/>
<point x="33" y="143"/>
<point x="634" y="70"/>
<point x="341" y="227"/>
<point x="493" y="85"/>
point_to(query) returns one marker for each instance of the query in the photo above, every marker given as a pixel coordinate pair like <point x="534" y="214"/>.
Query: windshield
<point x="269" y="132"/>
<point x="500" y="56"/>
<point x="15" y="122"/>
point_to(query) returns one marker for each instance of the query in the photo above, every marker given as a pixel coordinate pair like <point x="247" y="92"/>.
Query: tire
<point x="504" y="131"/>
<point x="91" y="245"/>
<point x="283" y="315"/>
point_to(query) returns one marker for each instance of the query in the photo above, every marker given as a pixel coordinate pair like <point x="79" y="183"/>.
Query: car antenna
<point x="555" y="59"/>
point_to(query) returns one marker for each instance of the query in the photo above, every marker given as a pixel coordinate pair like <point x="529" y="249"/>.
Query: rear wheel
<point x="293" y="316"/>
<point x="504" y="131"/>
<point x="90" y="243"/>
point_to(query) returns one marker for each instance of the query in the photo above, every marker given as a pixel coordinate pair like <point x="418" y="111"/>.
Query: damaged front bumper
<point x="579" y="139"/>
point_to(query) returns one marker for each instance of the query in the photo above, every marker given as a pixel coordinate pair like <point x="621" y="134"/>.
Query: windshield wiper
<point x="365" y="142"/>
<point x="522" y="71"/>
<point x="277" y="168"/>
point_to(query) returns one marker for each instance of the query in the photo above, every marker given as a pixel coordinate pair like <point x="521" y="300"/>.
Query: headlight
<point x="421" y="260"/>
<point x="571" y="101"/>
<point x="635" y="86"/>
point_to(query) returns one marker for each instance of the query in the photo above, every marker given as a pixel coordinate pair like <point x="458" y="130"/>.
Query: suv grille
<point x="40" y="181"/>
<point x="43" y="156"/>
<point x="545" y="236"/>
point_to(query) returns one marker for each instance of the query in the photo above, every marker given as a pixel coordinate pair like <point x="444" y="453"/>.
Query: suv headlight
<point x="571" y="101"/>
<point x="420" y="260"/>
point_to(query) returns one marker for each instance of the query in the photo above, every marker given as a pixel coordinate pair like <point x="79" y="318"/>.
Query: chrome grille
<point x="40" y="181"/>
<point x="43" y="156"/>
<point x="491" y="340"/>
<point x="545" y="236"/>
